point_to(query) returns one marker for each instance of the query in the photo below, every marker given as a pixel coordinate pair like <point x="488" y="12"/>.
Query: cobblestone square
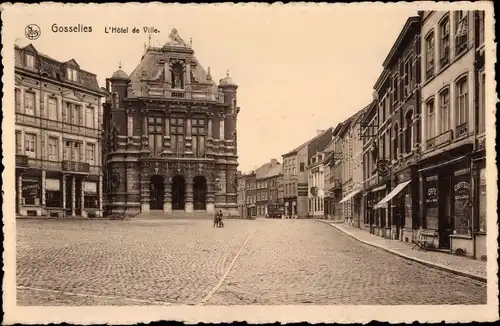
<point x="265" y="262"/>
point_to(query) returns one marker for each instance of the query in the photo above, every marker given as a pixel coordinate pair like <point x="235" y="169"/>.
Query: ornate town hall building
<point x="171" y="134"/>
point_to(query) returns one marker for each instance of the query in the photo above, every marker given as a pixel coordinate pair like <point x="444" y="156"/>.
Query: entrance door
<point x="199" y="193"/>
<point x="156" y="192"/>
<point x="178" y="192"/>
<point x="445" y="219"/>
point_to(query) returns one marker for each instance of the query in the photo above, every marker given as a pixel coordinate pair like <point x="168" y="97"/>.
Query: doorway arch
<point x="156" y="192"/>
<point x="178" y="192"/>
<point x="199" y="193"/>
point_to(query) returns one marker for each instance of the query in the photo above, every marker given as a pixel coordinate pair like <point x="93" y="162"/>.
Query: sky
<point x="299" y="68"/>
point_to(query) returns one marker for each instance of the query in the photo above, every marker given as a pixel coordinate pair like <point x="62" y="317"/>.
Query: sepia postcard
<point x="249" y="162"/>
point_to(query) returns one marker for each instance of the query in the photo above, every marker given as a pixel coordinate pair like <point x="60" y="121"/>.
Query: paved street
<point x="248" y="262"/>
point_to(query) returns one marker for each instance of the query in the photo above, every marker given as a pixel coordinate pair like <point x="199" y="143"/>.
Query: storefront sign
<point x="383" y="169"/>
<point x="462" y="206"/>
<point x="31" y="190"/>
<point x="431" y="204"/>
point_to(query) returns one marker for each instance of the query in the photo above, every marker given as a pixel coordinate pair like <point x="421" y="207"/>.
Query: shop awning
<point x="350" y="195"/>
<point x="394" y="192"/>
<point x="382" y="187"/>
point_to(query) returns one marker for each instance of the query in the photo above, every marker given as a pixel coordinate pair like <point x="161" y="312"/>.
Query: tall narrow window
<point x="53" y="149"/>
<point x="408" y="76"/>
<point x="409" y="131"/>
<point x="67" y="150"/>
<point x="482" y="103"/>
<point x="89" y="117"/>
<point x="481" y="27"/>
<point x="76" y="151"/>
<point x="30" y="61"/>
<point x="461" y="32"/>
<point x="395" y="142"/>
<point x="444" y="116"/>
<point x="52" y="107"/>
<point x="18" y="100"/>
<point x="177" y="135"/>
<point x="66" y="112"/>
<point x="19" y="144"/>
<point x="429" y="50"/>
<point x="29" y="103"/>
<point x="444" y="29"/>
<point x="462" y="101"/>
<point x="90" y="155"/>
<point x="198" y="137"/>
<point x="30" y="145"/>
<point x="431" y="116"/>
<point x="155" y="134"/>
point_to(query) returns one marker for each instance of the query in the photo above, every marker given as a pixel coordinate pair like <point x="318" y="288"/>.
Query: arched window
<point x="395" y="142"/>
<point x="409" y="131"/>
<point x="462" y="101"/>
<point x="444" y="106"/>
<point x="431" y="119"/>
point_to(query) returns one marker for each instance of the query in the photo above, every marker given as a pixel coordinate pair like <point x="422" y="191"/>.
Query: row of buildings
<point x="413" y="160"/>
<point x="160" y="139"/>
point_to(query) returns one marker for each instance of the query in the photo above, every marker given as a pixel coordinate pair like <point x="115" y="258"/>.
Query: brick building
<point x="400" y="124"/>
<point x="266" y="180"/>
<point x="57" y="136"/>
<point x="172" y="135"/>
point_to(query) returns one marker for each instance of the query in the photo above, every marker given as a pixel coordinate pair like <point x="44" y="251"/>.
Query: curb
<point x="423" y="262"/>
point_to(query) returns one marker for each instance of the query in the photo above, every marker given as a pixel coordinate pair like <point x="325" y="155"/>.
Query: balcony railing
<point x="73" y="166"/>
<point x="442" y="139"/>
<point x="44" y="123"/>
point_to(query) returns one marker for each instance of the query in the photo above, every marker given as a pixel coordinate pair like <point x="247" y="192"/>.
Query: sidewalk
<point x="467" y="267"/>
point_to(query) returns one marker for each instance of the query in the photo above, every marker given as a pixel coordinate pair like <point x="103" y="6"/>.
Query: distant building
<point x="251" y="194"/>
<point x="242" y="194"/>
<point x="295" y="195"/>
<point x="316" y="182"/>
<point x="172" y="144"/>
<point x="57" y="136"/>
<point x="333" y="176"/>
<point x="266" y="178"/>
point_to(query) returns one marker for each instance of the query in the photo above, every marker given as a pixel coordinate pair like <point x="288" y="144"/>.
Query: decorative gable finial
<point x="227" y="72"/>
<point x="120" y="65"/>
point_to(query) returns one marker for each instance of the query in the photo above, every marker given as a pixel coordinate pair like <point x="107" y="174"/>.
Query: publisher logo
<point x="32" y="31"/>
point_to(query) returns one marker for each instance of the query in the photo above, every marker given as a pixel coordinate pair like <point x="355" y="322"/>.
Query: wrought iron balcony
<point x="442" y="139"/>
<point x="72" y="166"/>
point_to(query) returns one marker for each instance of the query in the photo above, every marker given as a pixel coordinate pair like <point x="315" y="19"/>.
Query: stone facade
<point x="171" y="136"/>
<point x="58" y="137"/>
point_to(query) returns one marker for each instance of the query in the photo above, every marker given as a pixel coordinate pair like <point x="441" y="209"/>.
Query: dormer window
<point x="72" y="74"/>
<point x="30" y="60"/>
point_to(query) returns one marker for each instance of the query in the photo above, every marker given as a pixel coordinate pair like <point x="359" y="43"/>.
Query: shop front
<point x="401" y="211"/>
<point x="290" y="207"/>
<point x="447" y="202"/>
<point x="479" y="207"/>
<point x="377" y="215"/>
<point x="31" y="195"/>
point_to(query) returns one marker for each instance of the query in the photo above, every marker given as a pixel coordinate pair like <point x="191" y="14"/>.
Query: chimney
<point x="319" y="132"/>
<point x="274" y="162"/>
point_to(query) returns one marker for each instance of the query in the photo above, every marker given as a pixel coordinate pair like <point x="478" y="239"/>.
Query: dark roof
<point x="399" y="41"/>
<point x="295" y="150"/>
<point x="55" y="69"/>
<point x="151" y="69"/>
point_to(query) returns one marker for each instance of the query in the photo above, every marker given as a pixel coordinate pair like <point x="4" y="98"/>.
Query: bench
<point x="425" y="239"/>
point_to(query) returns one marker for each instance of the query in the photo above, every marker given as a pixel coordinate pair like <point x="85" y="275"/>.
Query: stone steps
<point x="175" y="215"/>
